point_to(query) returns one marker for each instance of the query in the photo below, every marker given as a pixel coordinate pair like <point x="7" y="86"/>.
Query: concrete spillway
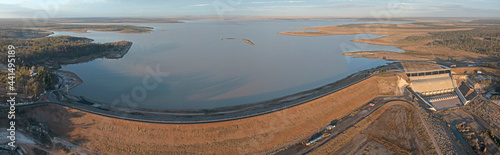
<point x="438" y="87"/>
<point x="432" y="84"/>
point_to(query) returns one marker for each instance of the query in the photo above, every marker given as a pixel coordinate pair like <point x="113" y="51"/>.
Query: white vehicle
<point x="317" y="139"/>
<point x="314" y="140"/>
<point x="330" y="127"/>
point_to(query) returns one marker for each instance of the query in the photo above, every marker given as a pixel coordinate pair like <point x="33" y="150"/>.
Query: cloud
<point x="402" y="8"/>
<point x="198" y="5"/>
<point x="346" y="5"/>
<point x="16" y="11"/>
<point x="87" y="1"/>
<point x="450" y="7"/>
<point x="13" y="2"/>
<point x="270" y="2"/>
<point x="446" y="9"/>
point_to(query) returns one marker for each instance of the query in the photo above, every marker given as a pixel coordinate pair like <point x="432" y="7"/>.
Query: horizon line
<point x="258" y="17"/>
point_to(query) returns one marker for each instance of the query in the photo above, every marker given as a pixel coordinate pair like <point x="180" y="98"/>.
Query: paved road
<point x="342" y="125"/>
<point x="348" y="122"/>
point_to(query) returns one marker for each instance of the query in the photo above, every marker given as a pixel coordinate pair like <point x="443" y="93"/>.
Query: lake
<point x="200" y="68"/>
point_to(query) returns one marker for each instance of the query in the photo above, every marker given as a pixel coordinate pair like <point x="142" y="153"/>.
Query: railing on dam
<point x="442" y="97"/>
<point x="437" y="92"/>
<point x="429" y="72"/>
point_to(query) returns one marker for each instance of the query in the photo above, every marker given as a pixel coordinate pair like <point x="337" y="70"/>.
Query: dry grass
<point x="413" y="51"/>
<point x="253" y="135"/>
<point x="463" y="70"/>
<point x="393" y="128"/>
<point x="419" y="66"/>
<point x="385" y="55"/>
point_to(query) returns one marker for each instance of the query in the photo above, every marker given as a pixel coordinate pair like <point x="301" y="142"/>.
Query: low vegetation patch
<point x="483" y="40"/>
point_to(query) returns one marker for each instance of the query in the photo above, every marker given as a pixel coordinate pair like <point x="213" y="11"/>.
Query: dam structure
<point x="437" y="88"/>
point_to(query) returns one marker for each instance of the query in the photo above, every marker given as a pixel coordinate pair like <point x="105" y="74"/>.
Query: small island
<point x="248" y="41"/>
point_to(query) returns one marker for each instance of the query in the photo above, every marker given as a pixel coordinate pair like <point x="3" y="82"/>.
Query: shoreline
<point x="393" y="34"/>
<point x="221" y="113"/>
<point x="275" y="129"/>
<point x="230" y="113"/>
<point x="283" y="101"/>
<point x="280" y="100"/>
<point x="69" y="78"/>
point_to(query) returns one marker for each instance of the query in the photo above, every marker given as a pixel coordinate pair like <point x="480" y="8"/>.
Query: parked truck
<point x="330" y="127"/>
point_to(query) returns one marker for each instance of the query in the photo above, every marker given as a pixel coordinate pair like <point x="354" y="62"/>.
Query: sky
<point x="248" y="8"/>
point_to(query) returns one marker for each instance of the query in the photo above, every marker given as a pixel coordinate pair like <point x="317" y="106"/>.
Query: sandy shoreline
<point x="393" y="33"/>
<point x="67" y="78"/>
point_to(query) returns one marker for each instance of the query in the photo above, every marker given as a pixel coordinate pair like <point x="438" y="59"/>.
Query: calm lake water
<point x="207" y="72"/>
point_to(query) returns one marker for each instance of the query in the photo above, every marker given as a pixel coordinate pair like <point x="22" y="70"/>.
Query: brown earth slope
<point x="252" y="135"/>
<point x="392" y="129"/>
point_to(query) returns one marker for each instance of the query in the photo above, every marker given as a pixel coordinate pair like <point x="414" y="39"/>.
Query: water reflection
<point x="207" y="72"/>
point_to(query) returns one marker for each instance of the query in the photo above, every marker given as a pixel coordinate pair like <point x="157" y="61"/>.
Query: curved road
<point x="347" y="122"/>
<point x="308" y="150"/>
<point x="189" y="119"/>
<point x="342" y="125"/>
<point x="229" y="117"/>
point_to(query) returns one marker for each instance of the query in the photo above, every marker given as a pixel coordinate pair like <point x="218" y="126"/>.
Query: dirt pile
<point x="471" y="133"/>
<point x="487" y="111"/>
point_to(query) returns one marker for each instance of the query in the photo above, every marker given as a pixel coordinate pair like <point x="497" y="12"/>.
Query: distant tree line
<point x="119" y="28"/>
<point x="28" y="51"/>
<point x="21" y="33"/>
